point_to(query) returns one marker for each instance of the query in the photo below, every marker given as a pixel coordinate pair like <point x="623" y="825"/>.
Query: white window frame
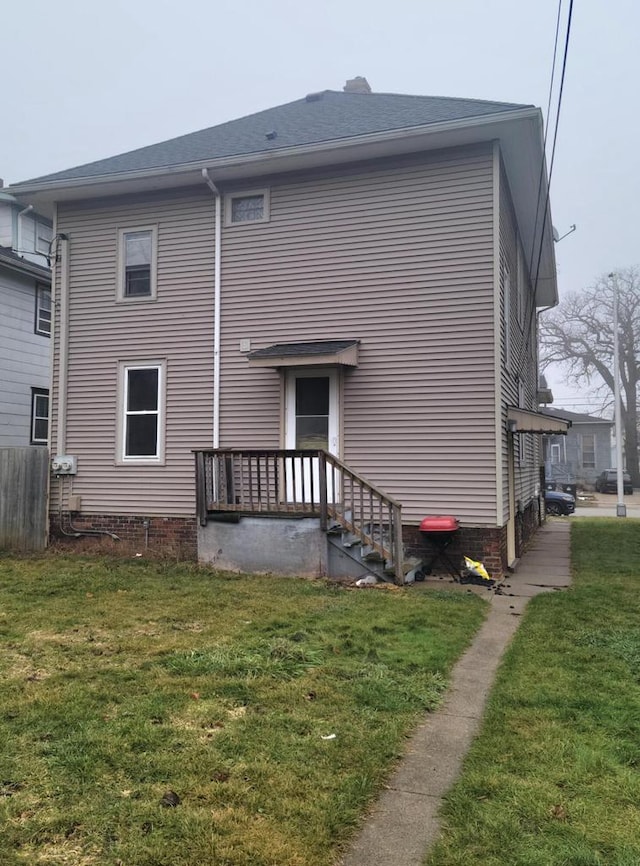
<point x="506" y="288"/>
<point x="43" y="233"/>
<point x="520" y="288"/>
<point x="122" y="458"/>
<point x="40" y="289"/>
<point x="35" y="393"/>
<point x="592" y="437"/>
<point x="121" y="282"/>
<point x="265" y="192"/>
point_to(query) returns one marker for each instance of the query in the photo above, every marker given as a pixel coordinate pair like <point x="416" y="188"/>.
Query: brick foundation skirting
<point x="483" y="543"/>
<point x="176" y="537"/>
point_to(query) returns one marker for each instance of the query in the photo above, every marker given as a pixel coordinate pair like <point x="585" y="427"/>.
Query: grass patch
<point x="554" y="777"/>
<point x="123" y="684"/>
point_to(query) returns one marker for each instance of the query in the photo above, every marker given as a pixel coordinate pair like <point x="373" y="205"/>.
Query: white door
<point x="311" y="422"/>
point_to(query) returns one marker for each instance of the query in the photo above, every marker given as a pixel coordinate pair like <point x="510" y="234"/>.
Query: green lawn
<point x="272" y="708"/>
<point x="554" y="778"/>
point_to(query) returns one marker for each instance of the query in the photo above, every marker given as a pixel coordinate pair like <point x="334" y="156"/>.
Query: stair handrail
<point x="395" y="552"/>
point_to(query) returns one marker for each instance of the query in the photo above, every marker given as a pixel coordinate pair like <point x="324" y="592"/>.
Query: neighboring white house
<point x="25" y="324"/>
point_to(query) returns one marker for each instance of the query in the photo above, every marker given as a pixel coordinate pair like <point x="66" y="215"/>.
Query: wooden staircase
<point x="353" y="512"/>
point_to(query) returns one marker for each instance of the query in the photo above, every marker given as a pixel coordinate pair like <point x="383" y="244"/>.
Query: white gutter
<point x="283" y="152"/>
<point x="216" y="308"/>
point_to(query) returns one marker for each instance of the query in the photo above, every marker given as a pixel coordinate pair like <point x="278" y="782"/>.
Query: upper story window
<point x="142" y="411"/>
<point x="506" y="288"/>
<point x="247" y="207"/>
<point x="137" y="253"/>
<point x="43" y="311"/>
<point x="520" y="287"/>
<point x="39" y="416"/>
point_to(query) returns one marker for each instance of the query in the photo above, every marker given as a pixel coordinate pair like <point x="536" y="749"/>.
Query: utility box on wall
<point x="64" y="464"/>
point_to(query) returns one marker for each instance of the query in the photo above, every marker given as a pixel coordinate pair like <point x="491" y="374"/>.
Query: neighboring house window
<point x="39" y="416"/>
<point x="43" y="238"/>
<point x="137" y="253"/>
<point x="247" y="207"/>
<point x="142" y="422"/>
<point x="589" y="450"/>
<point x="43" y="311"/>
<point x="555" y="452"/>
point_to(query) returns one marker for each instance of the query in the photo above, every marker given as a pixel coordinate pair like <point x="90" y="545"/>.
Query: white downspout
<point x="63" y="373"/>
<point x="216" y="311"/>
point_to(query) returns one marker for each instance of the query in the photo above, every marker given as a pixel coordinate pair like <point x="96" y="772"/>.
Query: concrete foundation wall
<point x="262" y="546"/>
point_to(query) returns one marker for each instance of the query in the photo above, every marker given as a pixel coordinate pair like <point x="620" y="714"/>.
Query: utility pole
<point x="621" y="508"/>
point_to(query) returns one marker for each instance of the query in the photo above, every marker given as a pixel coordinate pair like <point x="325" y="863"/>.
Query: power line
<point x="546" y="130"/>
<point x="533" y="294"/>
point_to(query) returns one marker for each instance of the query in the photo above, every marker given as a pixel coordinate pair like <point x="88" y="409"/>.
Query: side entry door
<point x="311" y="421"/>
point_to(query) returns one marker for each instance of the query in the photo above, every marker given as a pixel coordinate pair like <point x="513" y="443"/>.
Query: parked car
<point x="558" y="503"/>
<point x="607" y="482"/>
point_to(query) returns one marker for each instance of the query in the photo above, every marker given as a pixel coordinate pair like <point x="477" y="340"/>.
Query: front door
<point x="311" y="422"/>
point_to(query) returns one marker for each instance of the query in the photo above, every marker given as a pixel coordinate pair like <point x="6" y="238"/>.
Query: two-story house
<point x="333" y="302"/>
<point x="25" y="323"/>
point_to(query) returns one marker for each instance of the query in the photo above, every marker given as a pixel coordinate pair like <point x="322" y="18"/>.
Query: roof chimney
<point x="359" y="84"/>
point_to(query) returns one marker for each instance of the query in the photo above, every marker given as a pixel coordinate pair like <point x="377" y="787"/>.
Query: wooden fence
<point x="24" y="482"/>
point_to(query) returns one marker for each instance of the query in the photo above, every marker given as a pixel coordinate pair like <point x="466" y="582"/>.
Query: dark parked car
<point x="607" y="482"/>
<point x="559" y="503"/>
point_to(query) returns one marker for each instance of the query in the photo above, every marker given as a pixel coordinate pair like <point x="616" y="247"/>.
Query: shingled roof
<point x="320" y="117"/>
<point x="576" y="417"/>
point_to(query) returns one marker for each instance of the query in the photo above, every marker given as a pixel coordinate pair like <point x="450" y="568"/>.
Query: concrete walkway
<point x="404" y="823"/>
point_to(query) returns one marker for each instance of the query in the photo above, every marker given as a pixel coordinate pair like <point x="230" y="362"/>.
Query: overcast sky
<point x="86" y="79"/>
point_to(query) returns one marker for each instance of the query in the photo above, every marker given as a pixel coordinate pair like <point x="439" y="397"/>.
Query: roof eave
<point x="269" y="161"/>
<point x="518" y="130"/>
<point x="25" y="267"/>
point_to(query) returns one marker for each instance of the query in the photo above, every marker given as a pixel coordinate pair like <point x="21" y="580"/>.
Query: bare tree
<point x="578" y="334"/>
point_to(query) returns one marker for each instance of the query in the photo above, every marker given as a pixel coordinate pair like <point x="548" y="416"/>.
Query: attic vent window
<point x="247" y="207"/>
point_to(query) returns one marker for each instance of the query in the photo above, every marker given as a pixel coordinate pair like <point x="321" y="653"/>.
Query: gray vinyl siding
<point x="24" y="357"/>
<point x="571" y="469"/>
<point x="519" y="354"/>
<point x="400" y="258"/>
<point x="176" y="328"/>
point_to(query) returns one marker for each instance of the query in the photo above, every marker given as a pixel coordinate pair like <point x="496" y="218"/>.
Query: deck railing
<point x="302" y="483"/>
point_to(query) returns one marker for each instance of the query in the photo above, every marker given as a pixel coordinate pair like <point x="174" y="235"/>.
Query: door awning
<point x="524" y="421"/>
<point x="317" y="353"/>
